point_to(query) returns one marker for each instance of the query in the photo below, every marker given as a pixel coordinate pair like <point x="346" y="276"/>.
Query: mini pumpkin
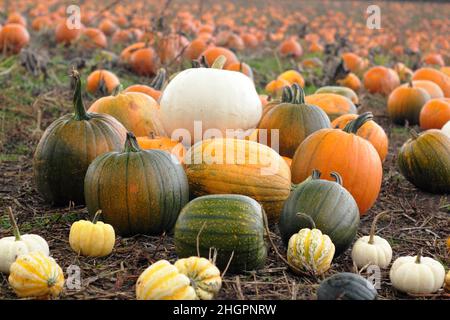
<point x="92" y="239"/>
<point x="36" y="275"/>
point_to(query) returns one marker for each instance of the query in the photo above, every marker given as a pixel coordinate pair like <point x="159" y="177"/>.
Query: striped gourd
<point x="224" y="166"/>
<point x="36" y="275"/>
<point x="232" y="224"/>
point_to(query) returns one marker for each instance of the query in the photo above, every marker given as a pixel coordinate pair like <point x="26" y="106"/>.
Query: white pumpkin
<point x="417" y="274"/>
<point x="446" y="128"/>
<point x="372" y="249"/>
<point x="12" y="247"/>
<point x="220" y="99"/>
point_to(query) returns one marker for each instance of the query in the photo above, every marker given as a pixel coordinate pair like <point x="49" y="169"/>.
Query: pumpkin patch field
<point x="223" y="150"/>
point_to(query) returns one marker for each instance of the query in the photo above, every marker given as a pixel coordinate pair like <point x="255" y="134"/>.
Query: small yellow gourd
<point x="92" y="239"/>
<point x="310" y="250"/>
<point x="36" y="275"/>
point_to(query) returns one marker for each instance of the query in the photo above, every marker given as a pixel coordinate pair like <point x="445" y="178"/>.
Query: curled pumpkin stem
<point x="354" y="125"/>
<point x="219" y="63"/>
<point x="337" y="177"/>
<point x="96" y="216"/>
<point x="158" y="82"/>
<point x="316" y="174"/>
<point x="131" y="144"/>
<point x="312" y="224"/>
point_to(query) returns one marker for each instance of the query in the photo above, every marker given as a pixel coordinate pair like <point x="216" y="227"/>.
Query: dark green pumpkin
<point x="68" y="147"/>
<point x="138" y="191"/>
<point x="228" y="223"/>
<point x="425" y="161"/>
<point x="346" y="286"/>
<point x="294" y="119"/>
<point x="330" y="205"/>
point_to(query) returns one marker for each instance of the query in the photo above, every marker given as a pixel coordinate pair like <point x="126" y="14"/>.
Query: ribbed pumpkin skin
<point x="332" y="208"/>
<point x="329" y="150"/>
<point x="405" y="103"/>
<point x="346" y="286"/>
<point x="270" y="189"/>
<point x="295" y="122"/>
<point x="333" y="104"/>
<point x="370" y="131"/>
<point x="67" y="148"/>
<point x="342" y="91"/>
<point x="230" y="223"/>
<point x="138" y="192"/>
<point x="425" y="161"/>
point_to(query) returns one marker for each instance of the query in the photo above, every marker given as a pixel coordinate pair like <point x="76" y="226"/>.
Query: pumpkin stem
<point x="152" y="135"/>
<point x="131" y="144"/>
<point x="287" y="95"/>
<point x="310" y="220"/>
<point x="299" y="94"/>
<point x="337" y="177"/>
<point x="373" y="226"/>
<point x="316" y="174"/>
<point x="117" y="89"/>
<point x="354" y="125"/>
<point x="413" y="134"/>
<point x="80" y="112"/>
<point x="219" y="63"/>
<point x="96" y="216"/>
<point x="419" y="255"/>
<point x="14" y="224"/>
<point x="159" y="80"/>
<point x="410" y="84"/>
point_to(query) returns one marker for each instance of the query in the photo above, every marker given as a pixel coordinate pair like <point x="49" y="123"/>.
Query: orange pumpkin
<point x="429" y="86"/>
<point x="353" y="62"/>
<point x="333" y="104"/>
<point x="404" y="73"/>
<point x="211" y="54"/>
<point x="438" y="77"/>
<point x="290" y="48"/>
<point x="126" y="53"/>
<point x="405" y="103"/>
<point x="16" y="17"/>
<point x="195" y="49"/>
<point x="13" y="37"/>
<point x="350" y="81"/>
<point x="93" y="38"/>
<point x="435" y="114"/>
<point x="144" y="61"/>
<point x="102" y="81"/>
<point x="371" y="131"/>
<point x="65" y="35"/>
<point x="275" y="87"/>
<point x="292" y="77"/>
<point x="108" y="27"/>
<point x="381" y="80"/>
<point x="434" y="59"/>
<point x="344" y="152"/>
<point x="241" y="67"/>
<point x="154" y="89"/>
<point x="173" y="147"/>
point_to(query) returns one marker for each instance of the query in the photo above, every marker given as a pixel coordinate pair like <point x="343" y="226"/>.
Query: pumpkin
<point x="435" y="114"/>
<point x="163" y="281"/>
<point x="241" y="67"/>
<point x="220" y="99"/>
<point x="232" y="224"/>
<point x="350" y="81"/>
<point x="293" y="77"/>
<point x="310" y="250"/>
<point x="433" y="59"/>
<point x="353" y="157"/>
<point x="92" y="38"/>
<point x="429" y="86"/>
<point x="424" y="160"/>
<point x="371" y="131"/>
<point x="275" y="87"/>
<point x="65" y="35"/>
<point x="12" y="247"/>
<point x="337" y="216"/>
<point x="36" y="275"/>
<point x="125" y="55"/>
<point x="92" y="239"/>
<point x="290" y="48"/>
<point x="203" y="274"/>
<point x="102" y="81"/>
<point x="217" y="166"/>
<point x="293" y="121"/>
<point x="333" y="104"/>
<point x="346" y="286"/>
<point x="418" y="275"/>
<point x="108" y="27"/>
<point x="343" y="91"/>
<point x="196" y="48"/>
<point x="381" y="80"/>
<point x="144" y="61"/>
<point x="446" y="129"/>
<point x="353" y="62"/>
<point x="372" y="249"/>
<point x="404" y="73"/>
<point x="405" y="104"/>
<point x="154" y="89"/>
<point x="438" y="77"/>
<point x="447" y="282"/>
<point x="16" y="17"/>
<point x="138" y="191"/>
<point x="138" y="112"/>
<point x="173" y="147"/>
<point x="68" y="146"/>
<point x="13" y="37"/>
<point x="212" y="53"/>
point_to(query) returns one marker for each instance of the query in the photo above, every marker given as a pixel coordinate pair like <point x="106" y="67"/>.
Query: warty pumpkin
<point x="218" y="166"/>
<point x="68" y="146"/>
<point x="353" y="157"/>
<point x="138" y="191"/>
<point x="381" y="80"/>
<point x="435" y="114"/>
<point x="231" y="224"/>
<point x="337" y="215"/>
<point x="333" y="104"/>
<point x="371" y="131"/>
<point x="294" y="120"/>
<point x="438" y="77"/>
<point x="424" y="160"/>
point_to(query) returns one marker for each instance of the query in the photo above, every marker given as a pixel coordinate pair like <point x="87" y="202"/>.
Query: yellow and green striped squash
<point x="310" y="250"/>
<point x="36" y="275"/>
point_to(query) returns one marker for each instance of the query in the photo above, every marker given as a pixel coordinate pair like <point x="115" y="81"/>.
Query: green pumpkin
<point x="331" y="206"/>
<point x="425" y="161"/>
<point x="67" y="148"/>
<point x="138" y="191"/>
<point x="346" y="286"/>
<point x="232" y="224"/>
<point x="294" y="119"/>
